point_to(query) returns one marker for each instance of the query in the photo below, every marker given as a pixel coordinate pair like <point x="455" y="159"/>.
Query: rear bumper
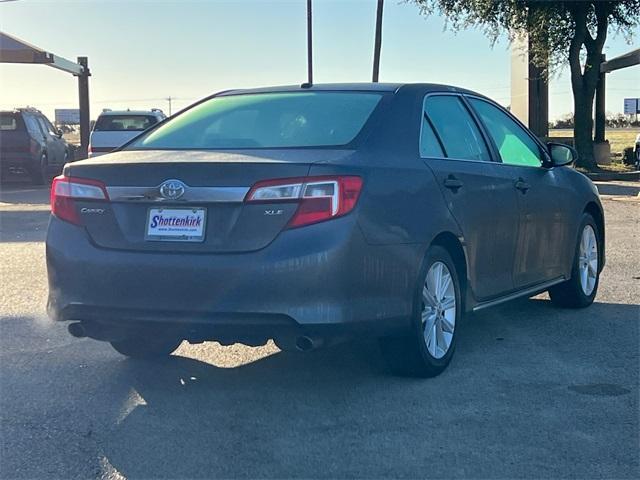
<point x="318" y="278"/>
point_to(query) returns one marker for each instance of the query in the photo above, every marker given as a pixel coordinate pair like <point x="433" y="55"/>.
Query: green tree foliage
<point x="560" y="33"/>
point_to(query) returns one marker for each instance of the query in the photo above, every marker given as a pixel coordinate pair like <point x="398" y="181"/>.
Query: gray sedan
<point x="309" y="214"/>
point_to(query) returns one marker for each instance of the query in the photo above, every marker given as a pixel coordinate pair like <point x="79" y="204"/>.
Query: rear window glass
<point x="266" y="120"/>
<point x="116" y="123"/>
<point x="9" y="121"/>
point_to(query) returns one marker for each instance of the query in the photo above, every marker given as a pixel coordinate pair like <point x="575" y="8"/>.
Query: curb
<point x="615" y="176"/>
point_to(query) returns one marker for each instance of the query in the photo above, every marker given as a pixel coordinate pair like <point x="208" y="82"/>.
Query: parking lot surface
<point x="533" y="391"/>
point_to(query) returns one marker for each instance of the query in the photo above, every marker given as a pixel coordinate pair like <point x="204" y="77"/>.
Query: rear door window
<point x="429" y="143"/>
<point x="118" y="123"/>
<point x="34" y="128"/>
<point x="515" y="145"/>
<point x="456" y="129"/>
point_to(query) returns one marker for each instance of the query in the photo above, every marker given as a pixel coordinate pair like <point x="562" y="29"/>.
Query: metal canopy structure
<point x="14" y="50"/>
<point x="629" y="59"/>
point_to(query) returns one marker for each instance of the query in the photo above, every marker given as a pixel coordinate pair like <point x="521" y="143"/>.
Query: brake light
<point x="318" y="198"/>
<point x="65" y="191"/>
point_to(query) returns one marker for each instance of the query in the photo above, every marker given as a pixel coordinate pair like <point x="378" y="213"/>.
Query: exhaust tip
<point x="77" y="330"/>
<point x="305" y="344"/>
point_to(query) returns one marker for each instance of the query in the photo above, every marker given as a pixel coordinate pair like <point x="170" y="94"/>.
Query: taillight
<point x="319" y="198"/>
<point x="66" y="190"/>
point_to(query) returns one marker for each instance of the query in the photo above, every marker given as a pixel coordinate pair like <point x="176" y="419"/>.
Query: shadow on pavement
<point x="532" y="389"/>
<point x="507" y="406"/>
<point x="23" y="225"/>
<point x="21" y="193"/>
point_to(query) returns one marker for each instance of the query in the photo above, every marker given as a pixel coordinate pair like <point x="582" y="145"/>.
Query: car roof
<point x="131" y="112"/>
<point x="23" y="110"/>
<point x="356" y="87"/>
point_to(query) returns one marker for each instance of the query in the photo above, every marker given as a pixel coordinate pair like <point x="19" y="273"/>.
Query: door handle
<point x="522" y="185"/>
<point x="453" y="183"/>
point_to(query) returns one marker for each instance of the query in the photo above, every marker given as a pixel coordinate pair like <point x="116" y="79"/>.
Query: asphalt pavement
<point x="533" y="391"/>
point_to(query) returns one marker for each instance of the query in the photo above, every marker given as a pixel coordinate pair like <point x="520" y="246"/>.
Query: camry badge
<point x="172" y="189"/>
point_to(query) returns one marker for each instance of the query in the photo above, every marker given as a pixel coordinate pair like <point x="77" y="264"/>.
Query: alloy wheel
<point x="438" y="310"/>
<point x="588" y="260"/>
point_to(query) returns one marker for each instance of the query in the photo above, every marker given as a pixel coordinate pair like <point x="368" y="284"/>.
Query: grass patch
<point x="619" y="138"/>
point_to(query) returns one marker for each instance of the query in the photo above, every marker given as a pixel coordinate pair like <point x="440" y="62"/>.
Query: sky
<point x="141" y="52"/>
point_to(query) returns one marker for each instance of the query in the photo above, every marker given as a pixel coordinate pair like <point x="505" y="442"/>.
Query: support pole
<point x="600" y="107"/>
<point x="83" y="97"/>
<point x="378" y="42"/>
<point x="309" y="44"/>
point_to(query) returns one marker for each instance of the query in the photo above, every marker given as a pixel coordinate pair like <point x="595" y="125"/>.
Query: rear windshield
<point x="266" y="120"/>
<point x="10" y="121"/>
<point x="116" y="123"/>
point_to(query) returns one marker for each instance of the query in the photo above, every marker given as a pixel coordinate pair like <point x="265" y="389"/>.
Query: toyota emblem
<point x="172" y="189"/>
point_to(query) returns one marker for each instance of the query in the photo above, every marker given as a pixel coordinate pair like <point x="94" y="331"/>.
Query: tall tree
<point x="560" y="33"/>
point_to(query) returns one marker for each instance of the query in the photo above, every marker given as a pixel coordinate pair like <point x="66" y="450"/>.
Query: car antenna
<point x="306" y="85"/>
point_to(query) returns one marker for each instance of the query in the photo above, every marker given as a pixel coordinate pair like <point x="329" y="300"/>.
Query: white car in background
<point x="114" y="128"/>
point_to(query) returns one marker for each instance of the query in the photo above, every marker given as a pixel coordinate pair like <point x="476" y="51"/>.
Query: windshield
<point x="266" y="120"/>
<point x="116" y="123"/>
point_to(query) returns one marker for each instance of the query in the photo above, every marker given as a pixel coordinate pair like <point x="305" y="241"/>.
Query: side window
<point x="429" y="143"/>
<point x="32" y="126"/>
<point x="52" y="130"/>
<point x="456" y="128"/>
<point x="516" y="147"/>
<point x="43" y="125"/>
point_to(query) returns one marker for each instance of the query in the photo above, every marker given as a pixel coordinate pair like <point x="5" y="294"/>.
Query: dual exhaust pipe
<point x="77" y="330"/>
<point x="306" y="344"/>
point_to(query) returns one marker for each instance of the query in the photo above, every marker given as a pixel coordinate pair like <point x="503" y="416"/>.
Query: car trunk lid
<point x="215" y="185"/>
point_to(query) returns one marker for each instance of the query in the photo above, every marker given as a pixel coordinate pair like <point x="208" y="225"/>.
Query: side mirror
<point x="59" y="133"/>
<point x="561" y="154"/>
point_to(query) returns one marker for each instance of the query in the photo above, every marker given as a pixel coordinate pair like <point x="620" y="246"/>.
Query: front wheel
<point x="580" y="290"/>
<point x="428" y="347"/>
<point x="146" y="347"/>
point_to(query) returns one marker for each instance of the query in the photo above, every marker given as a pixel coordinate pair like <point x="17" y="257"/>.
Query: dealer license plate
<point x="176" y="224"/>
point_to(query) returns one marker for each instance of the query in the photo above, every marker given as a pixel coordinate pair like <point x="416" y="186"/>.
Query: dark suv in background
<point x="30" y="143"/>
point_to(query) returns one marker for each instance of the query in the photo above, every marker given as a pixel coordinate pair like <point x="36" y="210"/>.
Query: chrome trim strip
<point x="191" y="194"/>
<point x="541" y="287"/>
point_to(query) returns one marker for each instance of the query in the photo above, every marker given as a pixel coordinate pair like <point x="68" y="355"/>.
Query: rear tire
<point x="427" y="349"/>
<point x="580" y="290"/>
<point x="146" y="347"/>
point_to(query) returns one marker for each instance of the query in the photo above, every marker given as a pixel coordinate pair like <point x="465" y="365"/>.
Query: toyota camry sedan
<point x="314" y="213"/>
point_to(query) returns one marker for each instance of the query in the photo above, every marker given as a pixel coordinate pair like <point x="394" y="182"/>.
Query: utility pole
<point x="168" y="99"/>
<point x="601" y="117"/>
<point x="378" y="42"/>
<point x="83" y="100"/>
<point x="309" y="44"/>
